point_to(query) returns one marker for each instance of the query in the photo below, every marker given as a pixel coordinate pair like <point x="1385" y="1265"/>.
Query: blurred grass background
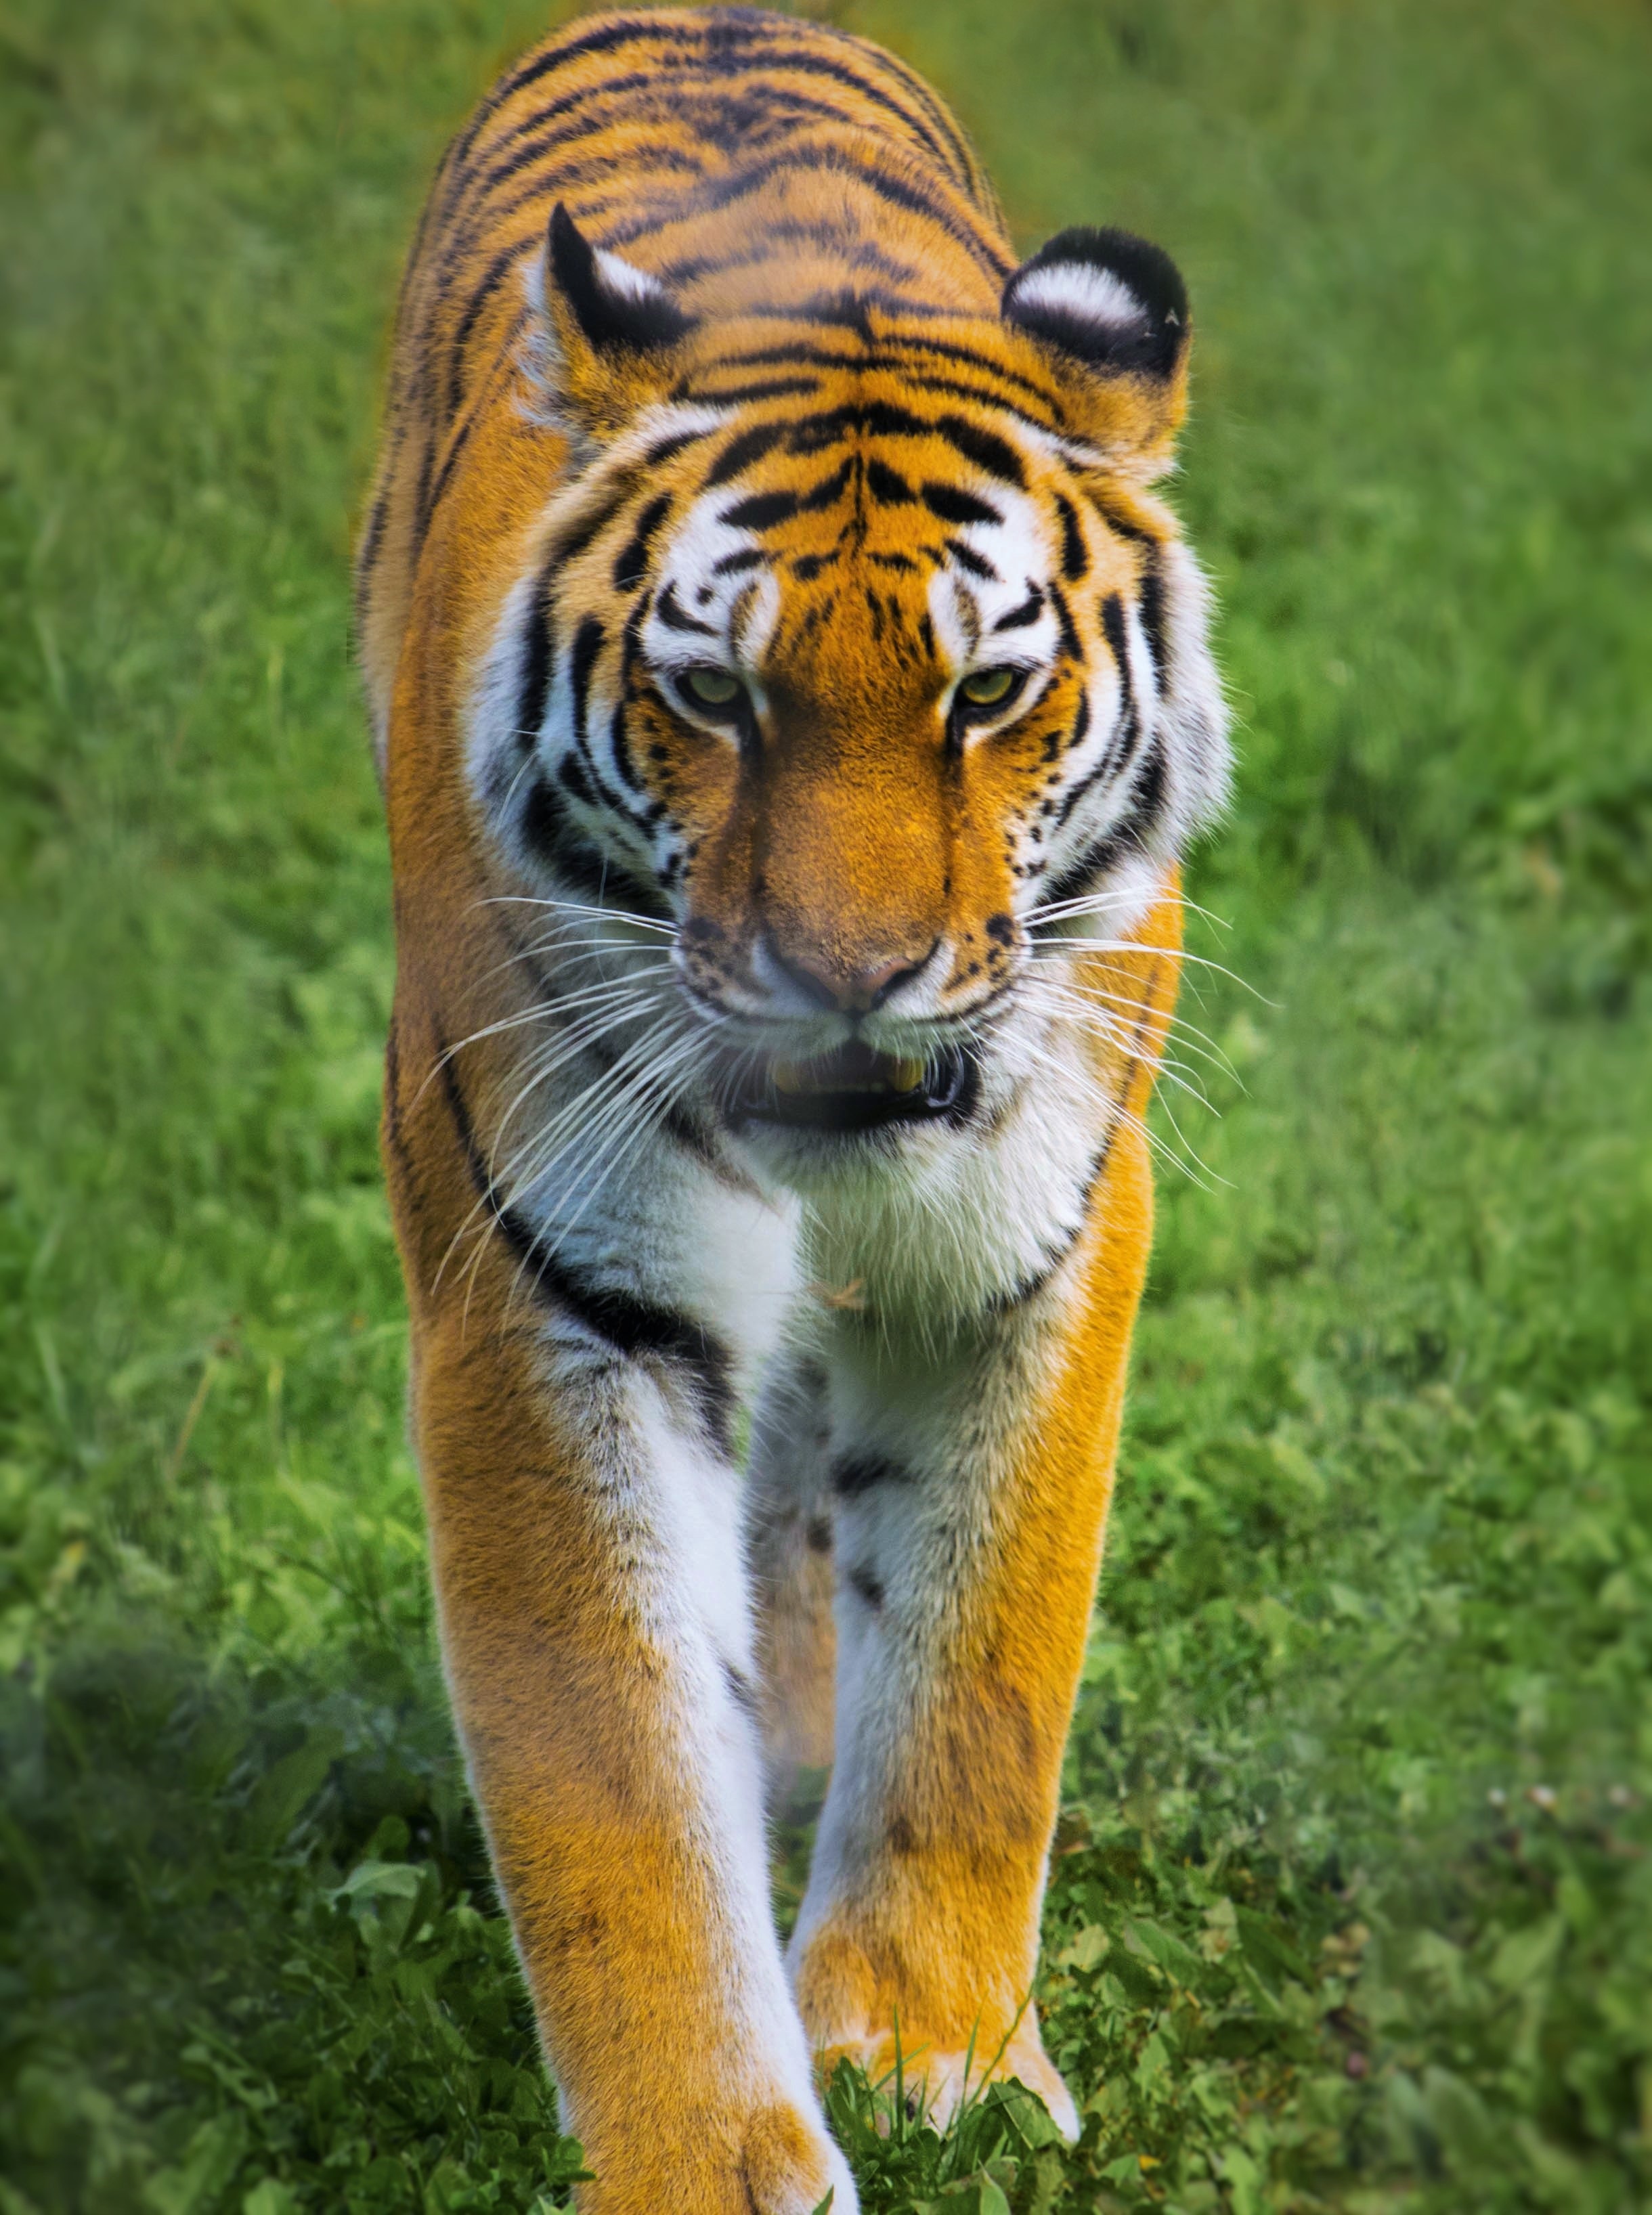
<point x="1352" y="1907"/>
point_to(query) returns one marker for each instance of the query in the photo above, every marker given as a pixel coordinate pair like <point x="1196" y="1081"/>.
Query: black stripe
<point x="1150" y="606"/>
<point x="633" y="1326"/>
<point x="619" y="737"/>
<point x="995" y="455"/>
<point x="456" y="446"/>
<point x="574" y="777"/>
<point x="547" y="830"/>
<point x="887" y="485"/>
<point x="741" y="453"/>
<point x="624" y="32"/>
<point x="826" y="493"/>
<point x="1075" y="558"/>
<point x="479" y="182"/>
<point x="372" y="540"/>
<point x="973" y="562"/>
<point x="954" y="505"/>
<point x="1115" y="758"/>
<point x="1028" y="612"/>
<point x="590" y="125"/>
<point x="795" y="353"/>
<point x="1133" y="830"/>
<point x="535" y="689"/>
<point x="967" y="358"/>
<point x="460" y="439"/>
<point x="493" y="277"/>
<point x="671" y="612"/>
<point x="777" y="243"/>
<point x="588" y="642"/>
<point x="1147" y="801"/>
<point x="773" y="388"/>
<point x="1137" y="533"/>
<point x="422" y="497"/>
<point x="761" y="512"/>
<point x="865" y="1585"/>
<point x="1080" y="730"/>
<point x="811" y="64"/>
<point x="723" y="71"/>
<point x="903" y="343"/>
<point x="585" y="528"/>
<point x="881" y="419"/>
<point x="1129" y="728"/>
<point x="968" y="169"/>
<point x="918" y="380"/>
<point x="619" y="745"/>
<point x="1101" y="854"/>
<point x="1064" y="617"/>
<point x="1117" y="638"/>
<point x="828" y="360"/>
<point x="816" y="161"/>
<point x="571" y="181"/>
<point x="876" y="419"/>
<point x="846" y="308"/>
<point x="630" y="563"/>
<point x="665" y="450"/>
<point x="860" y="1473"/>
<point x="708" y="102"/>
<point x="550" y="832"/>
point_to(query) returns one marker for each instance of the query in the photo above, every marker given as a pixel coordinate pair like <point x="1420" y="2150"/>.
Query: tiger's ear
<point x="617" y="328"/>
<point x="1113" y="310"/>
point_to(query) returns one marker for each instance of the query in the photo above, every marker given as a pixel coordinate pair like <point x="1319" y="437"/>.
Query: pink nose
<point x="850" y="989"/>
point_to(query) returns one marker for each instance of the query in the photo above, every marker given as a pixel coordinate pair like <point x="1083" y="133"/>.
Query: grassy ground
<point x="1353" y="1906"/>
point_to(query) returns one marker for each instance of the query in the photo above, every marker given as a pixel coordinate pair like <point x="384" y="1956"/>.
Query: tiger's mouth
<point x="856" y="1089"/>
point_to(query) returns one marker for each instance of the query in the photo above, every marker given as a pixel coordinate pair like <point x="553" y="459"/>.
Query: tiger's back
<point x="792" y="702"/>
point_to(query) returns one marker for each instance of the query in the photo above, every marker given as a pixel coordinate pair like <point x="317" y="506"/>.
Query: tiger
<point x="793" y="705"/>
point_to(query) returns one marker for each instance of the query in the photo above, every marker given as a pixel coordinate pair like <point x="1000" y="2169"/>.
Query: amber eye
<point x="710" y="688"/>
<point x="992" y="688"/>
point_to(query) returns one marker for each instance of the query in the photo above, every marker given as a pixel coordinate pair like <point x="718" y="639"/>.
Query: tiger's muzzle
<point x="858" y="1089"/>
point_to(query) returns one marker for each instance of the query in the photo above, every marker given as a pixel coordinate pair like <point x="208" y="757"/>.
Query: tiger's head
<point x="856" y="659"/>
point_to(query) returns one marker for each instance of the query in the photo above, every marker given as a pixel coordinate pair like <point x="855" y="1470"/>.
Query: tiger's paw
<point x="770" y="2159"/>
<point x="936" y="2077"/>
<point x="789" y="2168"/>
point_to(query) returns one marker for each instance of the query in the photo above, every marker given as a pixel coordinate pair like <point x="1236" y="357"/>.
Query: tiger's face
<point x="862" y="693"/>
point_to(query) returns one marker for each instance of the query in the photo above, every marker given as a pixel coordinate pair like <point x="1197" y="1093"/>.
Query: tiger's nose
<point x="850" y="988"/>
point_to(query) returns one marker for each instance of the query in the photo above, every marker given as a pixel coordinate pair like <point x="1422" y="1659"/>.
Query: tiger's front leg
<point x="584" y="1512"/>
<point x="972" y="1493"/>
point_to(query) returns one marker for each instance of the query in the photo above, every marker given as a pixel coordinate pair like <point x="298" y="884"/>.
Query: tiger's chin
<point x="839" y="1101"/>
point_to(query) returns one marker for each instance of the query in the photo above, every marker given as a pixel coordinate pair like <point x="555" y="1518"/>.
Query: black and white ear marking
<point x="614" y="303"/>
<point x="1106" y="295"/>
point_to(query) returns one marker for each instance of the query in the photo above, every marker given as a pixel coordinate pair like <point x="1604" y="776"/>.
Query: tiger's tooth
<point x="905" y="1075"/>
<point x="787" y="1077"/>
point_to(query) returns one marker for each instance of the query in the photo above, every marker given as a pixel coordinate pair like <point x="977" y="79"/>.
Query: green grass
<point x="1353" y="1904"/>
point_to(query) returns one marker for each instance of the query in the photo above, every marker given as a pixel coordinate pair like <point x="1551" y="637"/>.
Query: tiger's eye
<point x="710" y="688"/>
<point x="990" y="688"/>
